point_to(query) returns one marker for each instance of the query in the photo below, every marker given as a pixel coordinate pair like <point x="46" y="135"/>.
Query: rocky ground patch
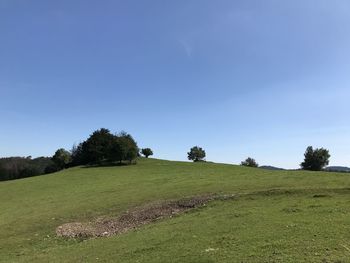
<point x="135" y="218"/>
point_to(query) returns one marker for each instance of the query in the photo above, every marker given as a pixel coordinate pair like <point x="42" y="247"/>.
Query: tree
<point x="147" y="152"/>
<point x="117" y="151"/>
<point x="61" y="158"/>
<point x="103" y="147"/>
<point x="77" y="155"/>
<point x="250" y="162"/>
<point x="129" y="145"/>
<point x="96" y="148"/>
<point x="315" y="159"/>
<point x="123" y="148"/>
<point x="196" y="154"/>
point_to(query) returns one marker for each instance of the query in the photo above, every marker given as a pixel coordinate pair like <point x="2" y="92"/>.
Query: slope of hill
<point x="269" y="167"/>
<point x="278" y="216"/>
<point x="338" y="169"/>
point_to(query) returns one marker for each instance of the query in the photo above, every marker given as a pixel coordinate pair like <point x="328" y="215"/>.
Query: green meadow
<point x="276" y="216"/>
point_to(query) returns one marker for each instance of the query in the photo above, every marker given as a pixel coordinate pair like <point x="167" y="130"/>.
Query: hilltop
<point x="276" y="216"/>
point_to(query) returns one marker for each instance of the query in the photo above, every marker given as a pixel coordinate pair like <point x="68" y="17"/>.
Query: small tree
<point x="61" y="158"/>
<point x="196" y="154"/>
<point x="250" y="162"/>
<point x="315" y="159"/>
<point x="147" y="152"/>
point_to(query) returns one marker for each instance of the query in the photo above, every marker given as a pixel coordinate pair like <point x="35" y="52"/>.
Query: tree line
<point x="102" y="147"/>
<point x="314" y="159"/>
<point x="21" y="167"/>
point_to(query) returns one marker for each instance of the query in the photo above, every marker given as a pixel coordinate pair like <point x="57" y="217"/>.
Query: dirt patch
<point x="152" y="212"/>
<point x="134" y="218"/>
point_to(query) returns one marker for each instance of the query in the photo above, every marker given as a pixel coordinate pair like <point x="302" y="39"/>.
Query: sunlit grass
<point x="306" y="220"/>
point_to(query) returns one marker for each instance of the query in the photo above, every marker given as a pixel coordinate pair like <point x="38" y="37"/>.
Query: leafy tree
<point x="117" y="151"/>
<point x="250" y="162"/>
<point x="196" y="154"/>
<point x="147" y="152"/>
<point x="129" y="145"/>
<point x="123" y="148"/>
<point x="61" y="158"/>
<point x="102" y="146"/>
<point x="77" y="155"/>
<point x="96" y="148"/>
<point x="315" y="159"/>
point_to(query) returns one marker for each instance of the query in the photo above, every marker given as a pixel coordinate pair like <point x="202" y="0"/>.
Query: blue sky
<point x="240" y="78"/>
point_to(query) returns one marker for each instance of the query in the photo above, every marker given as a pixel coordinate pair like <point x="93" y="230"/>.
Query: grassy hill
<point x="279" y="216"/>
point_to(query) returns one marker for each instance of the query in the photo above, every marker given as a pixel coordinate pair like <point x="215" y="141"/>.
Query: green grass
<point x="288" y="224"/>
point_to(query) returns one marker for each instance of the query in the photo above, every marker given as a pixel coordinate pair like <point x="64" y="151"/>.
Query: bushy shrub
<point x="250" y="162"/>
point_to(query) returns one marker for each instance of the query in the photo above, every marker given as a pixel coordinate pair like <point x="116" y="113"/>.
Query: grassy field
<point x="279" y="216"/>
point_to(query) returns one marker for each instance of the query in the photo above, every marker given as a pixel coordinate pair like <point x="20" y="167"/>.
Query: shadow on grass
<point x="109" y="164"/>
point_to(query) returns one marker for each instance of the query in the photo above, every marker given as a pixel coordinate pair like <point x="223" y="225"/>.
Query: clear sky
<point x="239" y="78"/>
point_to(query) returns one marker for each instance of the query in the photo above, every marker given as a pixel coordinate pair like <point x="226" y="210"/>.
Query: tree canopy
<point x="21" y="167"/>
<point x="196" y="154"/>
<point x="147" y="152"/>
<point x="61" y="158"/>
<point x="102" y="146"/>
<point x="315" y="159"/>
<point x="250" y="162"/>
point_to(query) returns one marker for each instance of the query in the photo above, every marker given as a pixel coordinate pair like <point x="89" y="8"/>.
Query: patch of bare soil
<point x="133" y="219"/>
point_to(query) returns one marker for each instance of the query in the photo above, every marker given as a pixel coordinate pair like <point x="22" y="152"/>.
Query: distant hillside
<point x="338" y="169"/>
<point x="269" y="167"/>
